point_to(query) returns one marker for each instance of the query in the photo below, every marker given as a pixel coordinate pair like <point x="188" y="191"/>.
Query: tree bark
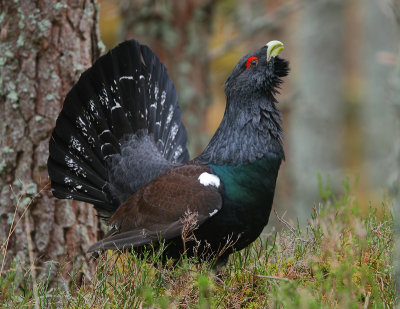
<point x="44" y="46"/>
<point x="178" y="32"/>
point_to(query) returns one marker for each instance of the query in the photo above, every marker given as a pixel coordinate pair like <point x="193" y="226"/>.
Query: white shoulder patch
<point x="207" y="179"/>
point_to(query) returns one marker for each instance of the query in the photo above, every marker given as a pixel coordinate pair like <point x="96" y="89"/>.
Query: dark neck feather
<point x="250" y="128"/>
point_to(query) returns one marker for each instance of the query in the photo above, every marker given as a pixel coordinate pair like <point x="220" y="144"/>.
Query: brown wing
<point x="156" y="210"/>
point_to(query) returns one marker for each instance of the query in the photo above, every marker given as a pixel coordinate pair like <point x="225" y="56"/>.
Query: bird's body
<point x="119" y="144"/>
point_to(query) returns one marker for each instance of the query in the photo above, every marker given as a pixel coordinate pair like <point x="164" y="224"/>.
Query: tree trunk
<point x="316" y="118"/>
<point x="178" y="32"/>
<point x="379" y="121"/>
<point x="44" y="46"/>
<point x="395" y="186"/>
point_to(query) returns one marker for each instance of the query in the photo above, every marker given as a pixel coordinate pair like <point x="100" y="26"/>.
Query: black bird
<point x="119" y="143"/>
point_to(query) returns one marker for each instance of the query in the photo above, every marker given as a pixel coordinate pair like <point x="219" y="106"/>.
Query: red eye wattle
<point x="251" y="61"/>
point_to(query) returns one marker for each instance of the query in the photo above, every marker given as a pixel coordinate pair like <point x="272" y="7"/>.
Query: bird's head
<point x="258" y="73"/>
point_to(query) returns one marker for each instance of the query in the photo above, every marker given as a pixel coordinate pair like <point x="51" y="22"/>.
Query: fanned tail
<point x="120" y="127"/>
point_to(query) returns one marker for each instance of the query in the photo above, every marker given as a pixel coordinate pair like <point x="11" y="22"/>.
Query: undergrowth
<point x="341" y="259"/>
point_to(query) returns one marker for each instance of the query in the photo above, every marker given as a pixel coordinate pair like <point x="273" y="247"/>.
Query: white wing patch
<point x="207" y="179"/>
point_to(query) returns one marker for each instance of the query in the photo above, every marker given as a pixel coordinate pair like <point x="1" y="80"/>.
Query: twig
<point x="31" y="259"/>
<point x="366" y="303"/>
<point x="287" y="224"/>
<point x="14" y="226"/>
<point x="272" y="277"/>
<point x="23" y="213"/>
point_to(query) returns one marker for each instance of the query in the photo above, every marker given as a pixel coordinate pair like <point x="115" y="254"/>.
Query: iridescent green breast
<point x="251" y="184"/>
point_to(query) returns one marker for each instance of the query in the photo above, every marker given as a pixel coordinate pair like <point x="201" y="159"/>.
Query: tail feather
<point x="123" y="112"/>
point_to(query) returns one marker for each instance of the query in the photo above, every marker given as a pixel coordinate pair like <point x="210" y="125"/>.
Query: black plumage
<point x="119" y="143"/>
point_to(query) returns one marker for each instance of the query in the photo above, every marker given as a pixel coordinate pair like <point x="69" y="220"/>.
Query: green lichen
<point x="44" y="25"/>
<point x="7" y="149"/>
<point x="38" y="118"/>
<point x="12" y="86"/>
<point x="20" y="41"/>
<point x="10" y="218"/>
<point x="15" y="106"/>
<point x="31" y="189"/>
<point x="49" y="97"/>
<point x="2" y="15"/>
<point x="18" y="183"/>
<point x="79" y="68"/>
<point x="9" y="54"/>
<point x="3" y="165"/>
<point x="59" y="6"/>
<point x="12" y="96"/>
<point x="101" y="46"/>
<point x="88" y="12"/>
<point x="21" y="22"/>
<point x="24" y="202"/>
<point x="3" y="60"/>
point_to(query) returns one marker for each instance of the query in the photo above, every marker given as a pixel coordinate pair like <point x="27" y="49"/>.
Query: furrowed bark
<point x="44" y="46"/>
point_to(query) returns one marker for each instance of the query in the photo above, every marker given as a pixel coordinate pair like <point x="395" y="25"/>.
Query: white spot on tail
<point x="163" y="97"/>
<point x="104" y="132"/>
<point x="117" y="105"/>
<point x="213" y="212"/>
<point x="207" y="179"/>
<point x="126" y="77"/>
<point x="156" y="90"/>
<point x="170" y="114"/>
<point x="178" y="152"/>
<point x="74" y="167"/>
<point x="174" y="130"/>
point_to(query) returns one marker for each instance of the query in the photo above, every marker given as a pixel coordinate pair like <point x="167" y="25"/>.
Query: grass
<point x="341" y="259"/>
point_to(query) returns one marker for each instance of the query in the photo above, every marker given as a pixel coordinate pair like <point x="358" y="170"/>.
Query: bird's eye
<point x="251" y="61"/>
